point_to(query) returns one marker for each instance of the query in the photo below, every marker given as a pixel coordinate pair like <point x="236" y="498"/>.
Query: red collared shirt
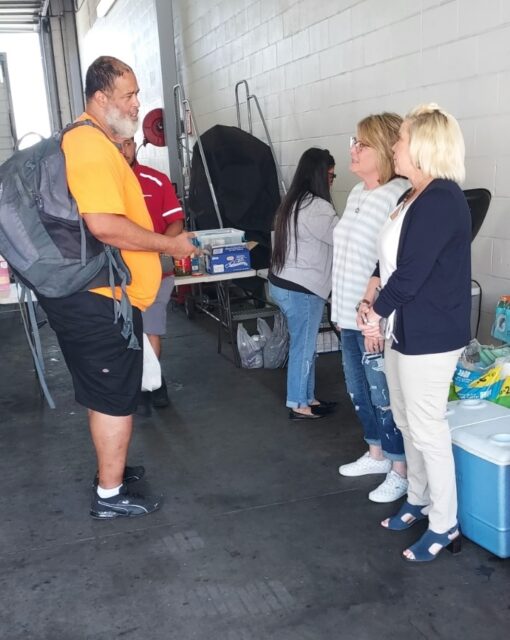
<point x="160" y="197"/>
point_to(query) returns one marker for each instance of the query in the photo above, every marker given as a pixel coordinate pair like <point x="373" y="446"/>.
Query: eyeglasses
<point x="356" y="144"/>
<point x="331" y="176"/>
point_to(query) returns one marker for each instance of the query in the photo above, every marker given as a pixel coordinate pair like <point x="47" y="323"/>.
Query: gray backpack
<point x="44" y="239"/>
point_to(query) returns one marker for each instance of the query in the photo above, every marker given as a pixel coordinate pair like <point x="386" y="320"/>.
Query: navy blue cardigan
<point x="431" y="286"/>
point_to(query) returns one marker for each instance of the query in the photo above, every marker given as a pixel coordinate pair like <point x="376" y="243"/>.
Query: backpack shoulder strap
<point x="90" y="123"/>
<point x="123" y="309"/>
<point x="115" y="265"/>
<point x="27" y="310"/>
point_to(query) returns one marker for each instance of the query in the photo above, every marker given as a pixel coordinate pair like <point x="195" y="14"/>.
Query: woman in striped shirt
<point x="354" y="258"/>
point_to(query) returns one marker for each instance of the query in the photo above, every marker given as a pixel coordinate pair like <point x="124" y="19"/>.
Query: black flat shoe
<point x="326" y="404"/>
<point x="324" y="407"/>
<point x="295" y="415"/>
<point x="320" y="410"/>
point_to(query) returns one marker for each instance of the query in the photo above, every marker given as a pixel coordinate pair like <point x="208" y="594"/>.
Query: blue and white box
<point x="482" y="467"/>
<point x="230" y="258"/>
<point x="462" y="413"/>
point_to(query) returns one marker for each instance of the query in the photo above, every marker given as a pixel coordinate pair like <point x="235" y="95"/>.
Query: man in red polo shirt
<point x="168" y="219"/>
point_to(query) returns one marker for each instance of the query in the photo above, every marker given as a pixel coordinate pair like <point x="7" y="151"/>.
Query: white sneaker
<point x="364" y="466"/>
<point x="393" y="488"/>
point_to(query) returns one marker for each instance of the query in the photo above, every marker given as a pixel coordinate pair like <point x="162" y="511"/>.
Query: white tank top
<point x="387" y="248"/>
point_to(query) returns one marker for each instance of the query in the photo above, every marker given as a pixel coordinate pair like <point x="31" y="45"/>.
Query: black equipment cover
<point x="243" y="174"/>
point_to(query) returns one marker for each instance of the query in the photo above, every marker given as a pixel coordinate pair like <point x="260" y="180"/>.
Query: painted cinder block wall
<point x="129" y="31"/>
<point x="319" y="67"/>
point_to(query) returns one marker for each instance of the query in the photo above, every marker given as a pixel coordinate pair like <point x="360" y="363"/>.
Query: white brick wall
<point x="129" y="32"/>
<point x="319" y="67"/>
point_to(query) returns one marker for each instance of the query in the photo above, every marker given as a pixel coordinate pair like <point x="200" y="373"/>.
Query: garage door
<point x="7" y="133"/>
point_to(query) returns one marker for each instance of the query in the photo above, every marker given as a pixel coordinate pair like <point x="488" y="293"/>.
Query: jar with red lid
<point x="182" y="266"/>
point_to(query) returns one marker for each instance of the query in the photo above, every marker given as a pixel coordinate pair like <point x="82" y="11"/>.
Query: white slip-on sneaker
<point x="365" y="466"/>
<point x="393" y="488"/>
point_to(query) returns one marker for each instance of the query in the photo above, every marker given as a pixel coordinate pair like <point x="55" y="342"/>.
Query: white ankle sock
<point x="108" y="493"/>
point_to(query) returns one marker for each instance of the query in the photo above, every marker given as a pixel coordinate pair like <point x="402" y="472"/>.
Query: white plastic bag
<point x="151" y="377"/>
<point x="250" y="348"/>
<point x="276" y="345"/>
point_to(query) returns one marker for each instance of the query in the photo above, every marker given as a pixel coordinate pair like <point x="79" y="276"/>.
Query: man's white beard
<point x="122" y="126"/>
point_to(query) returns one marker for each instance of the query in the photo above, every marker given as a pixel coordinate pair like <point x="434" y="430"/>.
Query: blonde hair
<point x="381" y="132"/>
<point x="436" y="143"/>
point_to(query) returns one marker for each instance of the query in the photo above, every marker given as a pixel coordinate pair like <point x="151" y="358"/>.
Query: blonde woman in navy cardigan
<point x="425" y="300"/>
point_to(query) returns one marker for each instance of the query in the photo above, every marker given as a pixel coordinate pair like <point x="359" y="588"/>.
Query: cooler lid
<point x="461" y="413"/>
<point x="487" y="440"/>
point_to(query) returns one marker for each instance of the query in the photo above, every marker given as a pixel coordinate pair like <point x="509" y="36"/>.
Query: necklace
<point x="414" y="192"/>
<point x="405" y="202"/>
<point x="361" y="202"/>
<point x="417" y="191"/>
<point x="410" y="195"/>
<point x="398" y="210"/>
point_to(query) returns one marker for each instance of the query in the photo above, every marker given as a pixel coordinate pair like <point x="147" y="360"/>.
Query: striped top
<point x="355" y="246"/>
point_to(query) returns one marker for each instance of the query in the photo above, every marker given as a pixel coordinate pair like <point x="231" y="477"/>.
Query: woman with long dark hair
<point x="300" y="274"/>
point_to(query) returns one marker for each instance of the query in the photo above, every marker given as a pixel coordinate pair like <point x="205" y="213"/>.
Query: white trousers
<point x="418" y="387"/>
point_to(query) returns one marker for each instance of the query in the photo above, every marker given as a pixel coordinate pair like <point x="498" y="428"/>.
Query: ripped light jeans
<point x="303" y="313"/>
<point x="366" y="384"/>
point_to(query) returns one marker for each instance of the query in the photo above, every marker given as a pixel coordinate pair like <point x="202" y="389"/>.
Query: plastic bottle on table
<point x="197" y="262"/>
<point x="5" y="283"/>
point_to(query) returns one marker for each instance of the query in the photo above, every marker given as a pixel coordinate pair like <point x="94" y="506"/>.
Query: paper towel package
<point x="227" y="259"/>
<point x="482" y="467"/>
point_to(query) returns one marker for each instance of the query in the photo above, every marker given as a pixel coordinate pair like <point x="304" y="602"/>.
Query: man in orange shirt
<point x="106" y="373"/>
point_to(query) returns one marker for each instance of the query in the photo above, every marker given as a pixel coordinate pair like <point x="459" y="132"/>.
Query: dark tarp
<point x="244" y="177"/>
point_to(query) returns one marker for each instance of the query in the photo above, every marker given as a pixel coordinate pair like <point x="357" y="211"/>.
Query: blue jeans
<point x="303" y="313"/>
<point x="367" y="386"/>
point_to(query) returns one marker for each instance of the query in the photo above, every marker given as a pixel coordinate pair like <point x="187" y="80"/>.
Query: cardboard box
<point x="227" y="259"/>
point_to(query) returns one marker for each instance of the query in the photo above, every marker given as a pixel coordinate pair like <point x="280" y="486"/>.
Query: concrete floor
<point x="259" y="538"/>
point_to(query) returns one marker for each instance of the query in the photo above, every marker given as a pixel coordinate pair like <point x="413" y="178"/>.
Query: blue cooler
<point x="482" y="466"/>
<point x="461" y="413"/>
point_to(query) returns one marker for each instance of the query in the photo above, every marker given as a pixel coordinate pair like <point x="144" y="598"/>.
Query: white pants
<point x="418" y="388"/>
